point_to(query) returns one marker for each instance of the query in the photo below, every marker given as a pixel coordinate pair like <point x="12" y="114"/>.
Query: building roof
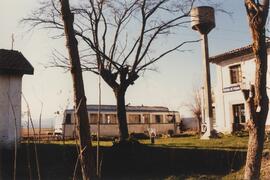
<point x="247" y="50"/>
<point x="13" y="62"/>
<point x="112" y="108"/>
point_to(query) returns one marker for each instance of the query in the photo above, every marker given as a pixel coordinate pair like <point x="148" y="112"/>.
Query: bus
<point x="140" y="119"/>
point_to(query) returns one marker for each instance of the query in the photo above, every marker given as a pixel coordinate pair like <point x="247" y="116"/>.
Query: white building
<point x="234" y="69"/>
<point x="13" y="66"/>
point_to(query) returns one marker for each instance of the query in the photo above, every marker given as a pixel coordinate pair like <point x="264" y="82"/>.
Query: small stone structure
<point x="13" y="65"/>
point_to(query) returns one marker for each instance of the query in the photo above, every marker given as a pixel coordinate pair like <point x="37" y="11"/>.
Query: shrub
<point x="171" y="132"/>
<point x="241" y="133"/>
<point x="139" y="136"/>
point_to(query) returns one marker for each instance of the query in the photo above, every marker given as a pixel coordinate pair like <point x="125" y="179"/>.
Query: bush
<point x="103" y="138"/>
<point x="171" y="132"/>
<point x="241" y="133"/>
<point x="128" y="144"/>
<point x="214" y="134"/>
<point x="139" y="136"/>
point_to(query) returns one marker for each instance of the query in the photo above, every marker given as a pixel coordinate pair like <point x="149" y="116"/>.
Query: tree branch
<point x="164" y="54"/>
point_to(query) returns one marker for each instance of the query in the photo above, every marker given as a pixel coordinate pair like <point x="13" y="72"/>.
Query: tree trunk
<point x="86" y="160"/>
<point x="121" y="113"/>
<point x="258" y="100"/>
<point x="199" y="126"/>
<point x="258" y="109"/>
<point x="254" y="154"/>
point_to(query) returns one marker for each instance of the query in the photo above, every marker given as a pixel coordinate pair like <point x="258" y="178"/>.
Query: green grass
<point x="73" y="142"/>
<point x="193" y="142"/>
<point x="227" y="142"/>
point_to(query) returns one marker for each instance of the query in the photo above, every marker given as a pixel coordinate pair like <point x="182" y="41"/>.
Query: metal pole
<point x="207" y="88"/>
<point x="98" y="123"/>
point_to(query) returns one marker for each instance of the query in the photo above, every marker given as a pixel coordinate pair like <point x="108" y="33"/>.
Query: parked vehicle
<point x="139" y="118"/>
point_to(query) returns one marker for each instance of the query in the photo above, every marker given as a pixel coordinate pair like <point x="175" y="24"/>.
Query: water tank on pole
<point x="203" y="19"/>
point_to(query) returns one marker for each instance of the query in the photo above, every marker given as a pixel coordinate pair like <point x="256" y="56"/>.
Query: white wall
<point x="10" y="93"/>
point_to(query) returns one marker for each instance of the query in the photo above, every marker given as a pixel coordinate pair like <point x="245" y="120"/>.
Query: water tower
<point x="203" y="20"/>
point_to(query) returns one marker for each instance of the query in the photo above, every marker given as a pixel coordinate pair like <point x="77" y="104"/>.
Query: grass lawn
<point x="227" y="142"/>
<point x="230" y="143"/>
<point x="193" y="142"/>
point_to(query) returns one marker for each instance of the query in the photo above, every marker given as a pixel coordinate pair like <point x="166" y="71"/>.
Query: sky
<point x="50" y="89"/>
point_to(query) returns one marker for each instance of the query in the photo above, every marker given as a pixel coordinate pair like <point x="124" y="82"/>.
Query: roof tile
<point x="13" y="62"/>
<point x="234" y="53"/>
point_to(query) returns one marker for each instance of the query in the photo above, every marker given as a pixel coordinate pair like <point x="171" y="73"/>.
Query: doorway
<point x="239" y="118"/>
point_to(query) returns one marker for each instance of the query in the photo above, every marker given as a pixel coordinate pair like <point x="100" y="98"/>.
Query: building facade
<point x="235" y="70"/>
<point x="13" y="65"/>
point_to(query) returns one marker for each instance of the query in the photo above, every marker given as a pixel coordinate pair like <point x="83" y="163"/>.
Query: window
<point x="134" y="118"/>
<point x="93" y="118"/>
<point x="170" y="118"/>
<point x="146" y="118"/>
<point x="235" y="73"/>
<point x="158" y="118"/>
<point x="110" y="119"/>
<point x="239" y="113"/>
<point x="68" y="118"/>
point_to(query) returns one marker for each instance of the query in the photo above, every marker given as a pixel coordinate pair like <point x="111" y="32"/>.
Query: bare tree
<point x="118" y="37"/>
<point x="86" y="160"/>
<point x="195" y="107"/>
<point x="256" y="98"/>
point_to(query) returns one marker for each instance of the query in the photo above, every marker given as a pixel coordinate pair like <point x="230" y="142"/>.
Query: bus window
<point x="110" y="118"/>
<point x="134" y="118"/>
<point x="170" y="118"/>
<point x="158" y="118"/>
<point x="93" y="118"/>
<point x="146" y="118"/>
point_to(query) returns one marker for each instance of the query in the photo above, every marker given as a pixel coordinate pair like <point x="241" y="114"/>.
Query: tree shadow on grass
<point x="132" y="162"/>
<point x="161" y="161"/>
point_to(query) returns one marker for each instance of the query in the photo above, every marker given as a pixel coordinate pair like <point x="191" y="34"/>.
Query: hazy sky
<point x="171" y="86"/>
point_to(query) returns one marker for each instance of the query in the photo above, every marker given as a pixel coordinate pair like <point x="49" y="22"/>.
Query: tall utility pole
<point x="203" y="20"/>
